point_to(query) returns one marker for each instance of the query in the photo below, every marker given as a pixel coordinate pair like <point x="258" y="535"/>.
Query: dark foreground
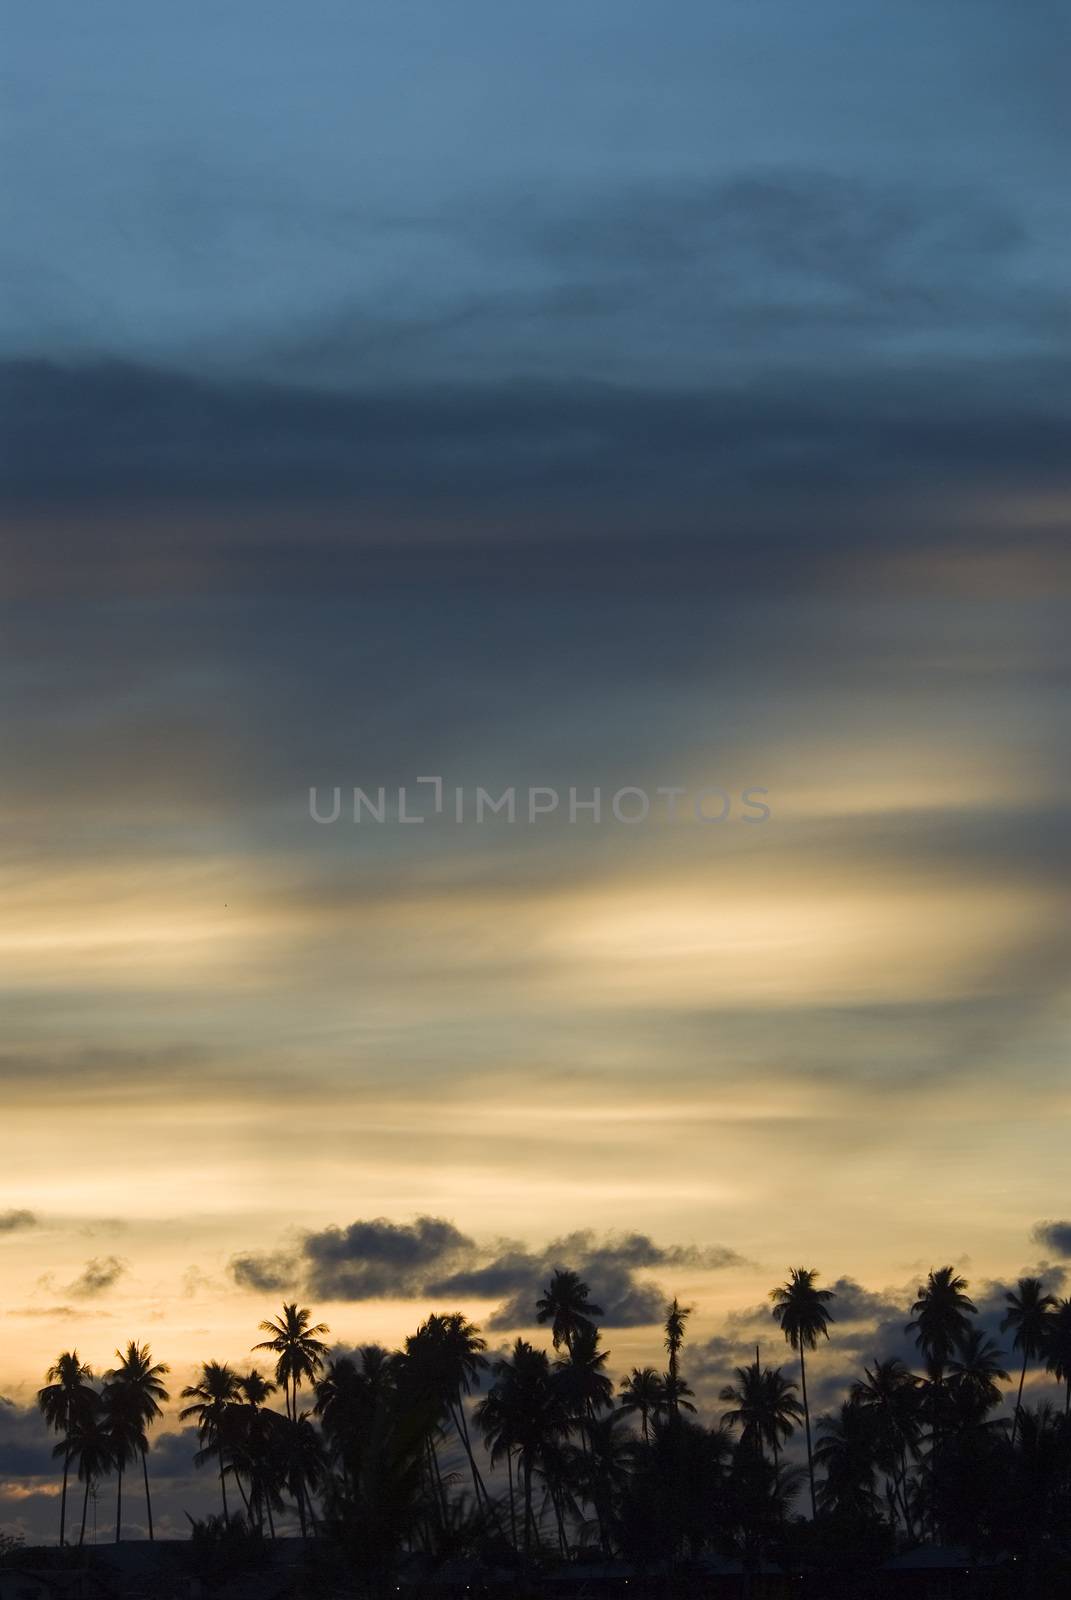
<point x="290" y="1569"/>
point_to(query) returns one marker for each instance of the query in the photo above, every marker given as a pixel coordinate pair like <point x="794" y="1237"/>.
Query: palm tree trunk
<point x="223" y="1491"/>
<point x="1019" y="1400"/>
<point x="119" y="1503"/>
<point x="509" y="1473"/>
<point x="527" y="1508"/>
<point x="807" y="1428"/>
<point x="148" y="1497"/>
<point x="63" y="1497"/>
<point x="85" y="1508"/>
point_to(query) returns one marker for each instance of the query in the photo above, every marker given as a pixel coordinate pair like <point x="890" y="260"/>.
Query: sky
<point x="550" y="399"/>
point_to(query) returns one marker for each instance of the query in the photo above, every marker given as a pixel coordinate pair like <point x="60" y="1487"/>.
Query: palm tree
<point x="564" y="1303"/>
<point x="89" y="1446"/>
<point x="524" y="1414"/>
<point x="141" y="1382"/>
<point x="676" y="1317"/>
<point x="1058" y="1349"/>
<point x="1029" y="1312"/>
<point x="444" y="1359"/>
<point x="847" y="1453"/>
<point x="66" y="1397"/>
<point x="764" y="1407"/>
<point x="975" y="1373"/>
<point x="213" y="1397"/>
<point x="299" y="1348"/>
<point x="941" y="1313"/>
<point x="643" y="1391"/>
<point x="800" y="1308"/>
<point x="122" y="1418"/>
<point x="892" y="1393"/>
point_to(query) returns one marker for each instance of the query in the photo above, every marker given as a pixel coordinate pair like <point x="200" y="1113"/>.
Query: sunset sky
<point x="571" y="396"/>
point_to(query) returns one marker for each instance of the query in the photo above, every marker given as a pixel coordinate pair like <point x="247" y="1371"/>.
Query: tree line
<point x="557" y="1458"/>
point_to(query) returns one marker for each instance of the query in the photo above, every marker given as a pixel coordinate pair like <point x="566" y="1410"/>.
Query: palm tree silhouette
<point x="1029" y="1313"/>
<point x="763" y="1406"/>
<point x="565" y="1304"/>
<point x="89" y="1446"/>
<point x="524" y="1415"/>
<point x="65" y="1399"/>
<point x="299" y="1348"/>
<point x="140" y="1382"/>
<point x="1058" y="1349"/>
<point x="214" y="1396"/>
<point x="676" y="1318"/>
<point x="800" y="1308"/>
<point x="893" y="1394"/>
<point x="122" y="1416"/>
<point x="644" y="1392"/>
<point x="974" y="1373"/>
<point x="847" y="1451"/>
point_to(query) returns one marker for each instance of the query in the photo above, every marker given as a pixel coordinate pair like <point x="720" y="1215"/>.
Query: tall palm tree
<point x="676" y="1318"/>
<point x="581" y="1377"/>
<point x="800" y="1308"/>
<point x="213" y="1398"/>
<point x="644" y="1392"/>
<point x="941" y="1323"/>
<point x="89" y="1447"/>
<point x="67" y="1396"/>
<point x="524" y="1415"/>
<point x="301" y="1352"/>
<point x="122" y="1418"/>
<point x="1029" y="1313"/>
<point x="141" y="1381"/>
<point x="1058" y="1349"/>
<point x="566" y="1305"/>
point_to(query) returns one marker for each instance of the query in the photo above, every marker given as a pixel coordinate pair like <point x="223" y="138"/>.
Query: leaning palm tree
<point x="643" y="1392"/>
<point x="565" y="1304"/>
<point x="66" y="1397"/>
<point x="140" y="1379"/>
<point x="212" y="1400"/>
<point x="301" y="1352"/>
<point x="1029" y="1313"/>
<point x="800" y="1308"/>
<point x="1058" y="1349"/>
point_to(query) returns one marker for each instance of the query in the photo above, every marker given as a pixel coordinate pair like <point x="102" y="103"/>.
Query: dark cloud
<point x="263" y="1272"/>
<point x="432" y="1259"/>
<point x="1055" y="1236"/>
<point x="16" y="1221"/>
<point x="370" y="1260"/>
<point x="25" y="1442"/>
<point x="97" y="1276"/>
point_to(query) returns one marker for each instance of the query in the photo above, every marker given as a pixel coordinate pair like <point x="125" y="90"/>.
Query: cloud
<point x="263" y="1273"/>
<point x="16" y="1221"/>
<point x="432" y="1259"/>
<point x="98" y="1275"/>
<point x="1055" y="1236"/>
